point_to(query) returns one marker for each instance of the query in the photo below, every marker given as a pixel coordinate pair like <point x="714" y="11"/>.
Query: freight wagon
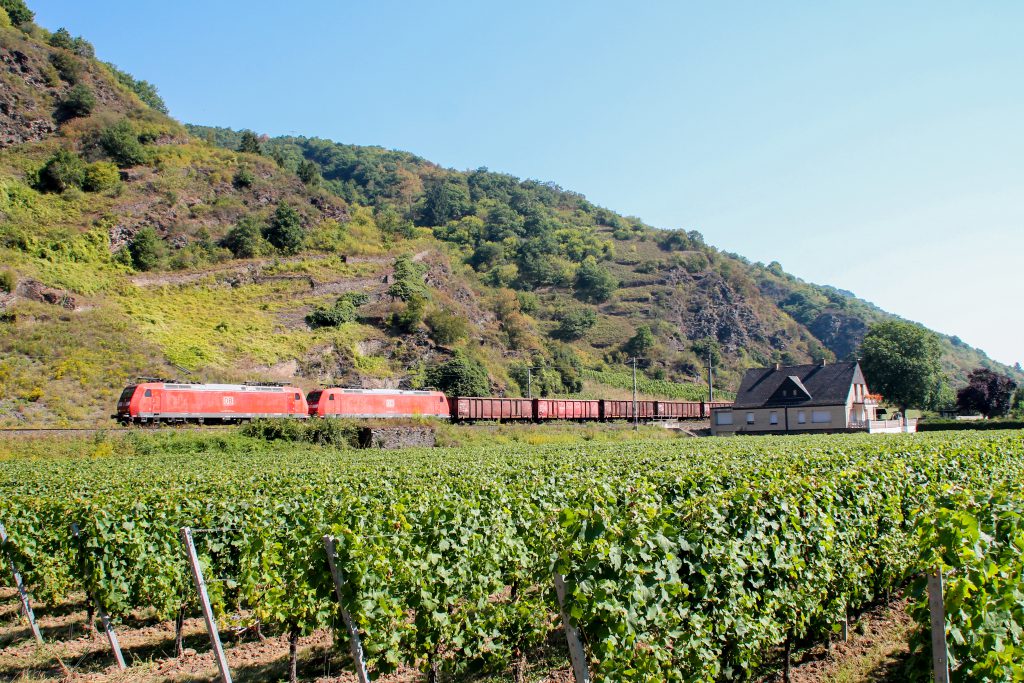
<point x="383" y="403"/>
<point x="623" y="410"/>
<point x="679" y="410"/>
<point x="566" y="409"/>
<point x="469" y="408"/>
<point x="155" y="402"/>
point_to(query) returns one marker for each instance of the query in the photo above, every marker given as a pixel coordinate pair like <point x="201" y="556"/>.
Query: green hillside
<point x="132" y="245"/>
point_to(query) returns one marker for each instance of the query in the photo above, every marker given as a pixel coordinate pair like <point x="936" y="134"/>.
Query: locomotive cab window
<point x="330" y="397"/>
<point x="149" y="393"/>
<point x="298" y="397"/>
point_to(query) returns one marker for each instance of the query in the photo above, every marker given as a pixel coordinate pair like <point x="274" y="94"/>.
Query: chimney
<point x="824" y="362"/>
<point x="778" y="366"/>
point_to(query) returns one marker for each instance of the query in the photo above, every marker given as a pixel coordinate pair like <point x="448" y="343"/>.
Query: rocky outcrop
<point x="841" y="334"/>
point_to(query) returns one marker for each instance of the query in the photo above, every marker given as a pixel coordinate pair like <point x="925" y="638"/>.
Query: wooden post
<point x="355" y="643"/>
<point x="26" y="603"/>
<point x="940" y="657"/>
<point x="115" y="646"/>
<point x="572" y="635"/>
<point x="204" y="602"/>
<point x="846" y="626"/>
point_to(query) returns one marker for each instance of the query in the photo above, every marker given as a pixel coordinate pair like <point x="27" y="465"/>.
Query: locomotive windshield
<point x="314" y="396"/>
<point x="127" y="393"/>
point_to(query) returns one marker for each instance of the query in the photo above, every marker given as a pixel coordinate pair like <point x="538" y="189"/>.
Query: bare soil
<point x="874" y="652"/>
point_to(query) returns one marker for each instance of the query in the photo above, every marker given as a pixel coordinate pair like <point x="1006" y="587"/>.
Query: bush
<point x="245" y="240"/>
<point x="594" y="283"/>
<point x="408" y="279"/>
<point x="446" y="327"/>
<point x="67" y="66"/>
<point x="459" y="376"/>
<point x="146" y="249"/>
<point x="409" y="317"/>
<point x="101" y="176"/>
<point x="78" y="102"/>
<point x="5" y="20"/>
<point x="63" y="170"/>
<point x="322" y="432"/>
<point x="144" y="90"/>
<point x="308" y="172"/>
<point x="285" y="229"/>
<point x="341" y="312"/>
<point x="574" y="323"/>
<point x="121" y="143"/>
<point x="243" y="178"/>
<point x="8" y="281"/>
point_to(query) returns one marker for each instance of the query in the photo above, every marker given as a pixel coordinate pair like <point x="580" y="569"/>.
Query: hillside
<point x="134" y="245"/>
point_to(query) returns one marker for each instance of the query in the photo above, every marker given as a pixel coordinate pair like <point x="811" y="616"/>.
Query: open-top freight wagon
<point x="160" y="401"/>
<point x="471" y="409"/>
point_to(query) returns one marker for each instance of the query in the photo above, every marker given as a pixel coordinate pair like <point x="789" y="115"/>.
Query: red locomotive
<point x="338" y="402"/>
<point x="160" y="401"/>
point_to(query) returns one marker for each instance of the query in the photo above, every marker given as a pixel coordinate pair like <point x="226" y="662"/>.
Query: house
<point x="802" y="398"/>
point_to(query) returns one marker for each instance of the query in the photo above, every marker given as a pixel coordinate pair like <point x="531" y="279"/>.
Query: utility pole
<point x="529" y="382"/>
<point x="636" y="419"/>
<point x="711" y="384"/>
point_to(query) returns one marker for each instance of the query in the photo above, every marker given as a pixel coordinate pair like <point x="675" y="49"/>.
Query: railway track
<point x="85" y="431"/>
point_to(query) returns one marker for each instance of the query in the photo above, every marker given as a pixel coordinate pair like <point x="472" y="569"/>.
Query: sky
<point x="874" y="146"/>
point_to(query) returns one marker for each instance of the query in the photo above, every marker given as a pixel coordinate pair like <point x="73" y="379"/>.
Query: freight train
<point x="156" y="402"/>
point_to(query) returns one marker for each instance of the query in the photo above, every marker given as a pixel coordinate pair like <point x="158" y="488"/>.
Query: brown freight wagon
<point x="623" y="410"/>
<point x="679" y="410"/>
<point x="566" y="409"/>
<point x="468" y="408"/>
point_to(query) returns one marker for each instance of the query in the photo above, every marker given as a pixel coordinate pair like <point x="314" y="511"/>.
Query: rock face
<point x="37" y="291"/>
<point x="391" y="438"/>
<point x="716" y="310"/>
<point x="842" y="334"/>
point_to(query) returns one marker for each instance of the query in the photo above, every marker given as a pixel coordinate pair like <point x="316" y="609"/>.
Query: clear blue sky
<point x="874" y="146"/>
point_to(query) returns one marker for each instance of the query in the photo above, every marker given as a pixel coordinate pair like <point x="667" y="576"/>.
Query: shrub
<point x="8" y="281"/>
<point x="145" y="249"/>
<point x="594" y="283"/>
<point x="144" y="90"/>
<point x="63" y="170"/>
<point x="245" y="240"/>
<point x="285" y="229"/>
<point x="243" y="178"/>
<point x="100" y="176"/>
<point x="459" y="376"/>
<point x="78" y="102"/>
<point x="308" y="172"/>
<point x="5" y="20"/>
<point x="408" y="279"/>
<point x="342" y="311"/>
<point x="121" y="143"/>
<point x="446" y="327"/>
<point x="574" y="323"/>
<point x="409" y="317"/>
<point x="67" y="66"/>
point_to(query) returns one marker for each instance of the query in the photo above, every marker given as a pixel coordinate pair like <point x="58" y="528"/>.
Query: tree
<point x="308" y="172"/>
<point x="707" y="349"/>
<point x="407" y="280"/>
<point x="641" y="343"/>
<point x="285" y="230"/>
<point x="63" y="170"/>
<point x="145" y="249"/>
<point x="62" y="38"/>
<point x="446" y="200"/>
<point x="121" y="143"/>
<point x="18" y="11"/>
<point x="245" y="239"/>
<point x="574" y="323"/>
<point x="78" y="102"/>
<point x="446" y="327"/>
<point x="901" y="361"/>
<point x="459" y="376"/>
<point x="594" y="283"/>
<point x="249" y="143"/>
<point x="987" y="392"/>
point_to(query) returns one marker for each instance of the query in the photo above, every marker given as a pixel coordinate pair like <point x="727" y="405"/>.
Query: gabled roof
<point x="798" y="385"/>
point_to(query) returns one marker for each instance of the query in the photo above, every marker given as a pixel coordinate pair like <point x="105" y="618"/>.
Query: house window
<point x="750" y="418"/>
<point x="773" y="418"/>
<point x="723" y="418"/>
<point x="801" y="417"/>
<point x="821" y="416"/>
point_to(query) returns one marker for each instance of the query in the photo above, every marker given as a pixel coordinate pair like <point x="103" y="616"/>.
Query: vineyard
<point x="687" y="560"/>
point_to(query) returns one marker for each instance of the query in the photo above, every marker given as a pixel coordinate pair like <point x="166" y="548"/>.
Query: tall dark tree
<point x="987" y="392"/>
<point x="285" y="230"/>
<point x="459" y="376"/>
<point x="901" y="361"/>
<point x="249" y="143"/>
<point x="446" y="200"/>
